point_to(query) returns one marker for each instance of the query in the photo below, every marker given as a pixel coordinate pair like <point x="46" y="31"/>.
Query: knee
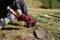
<point x="10" y="16"/>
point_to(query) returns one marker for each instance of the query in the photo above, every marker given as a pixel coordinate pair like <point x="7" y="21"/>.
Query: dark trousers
<point x="22" y="6"/>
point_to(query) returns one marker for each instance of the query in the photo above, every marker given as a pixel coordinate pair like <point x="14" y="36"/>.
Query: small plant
<point x="50" y="37"/>
<point x="18" y="36"/>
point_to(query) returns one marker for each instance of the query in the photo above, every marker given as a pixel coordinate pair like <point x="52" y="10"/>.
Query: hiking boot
<point x="31" y="23"/>
<point x="1" y="27"/>
<point x="27" y="19"/>
<point x="2" y="24"/>
<point x="24" y="18"/>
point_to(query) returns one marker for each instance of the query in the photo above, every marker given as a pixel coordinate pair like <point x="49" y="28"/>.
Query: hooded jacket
<point x="3" y="7"/>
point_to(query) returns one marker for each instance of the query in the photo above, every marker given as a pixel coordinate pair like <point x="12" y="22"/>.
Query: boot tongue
<point x="28" y="18"/>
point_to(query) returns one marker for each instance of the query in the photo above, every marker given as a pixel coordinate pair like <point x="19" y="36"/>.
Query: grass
<point x="51" y="25"/>
<point x="18" y="36"/>
<point x="48" y="24"/>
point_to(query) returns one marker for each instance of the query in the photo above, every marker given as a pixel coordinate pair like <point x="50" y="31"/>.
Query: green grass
<point x="48" y="24"/>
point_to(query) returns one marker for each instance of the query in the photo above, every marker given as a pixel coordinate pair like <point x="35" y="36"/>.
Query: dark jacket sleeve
<point x="14" y="5"/>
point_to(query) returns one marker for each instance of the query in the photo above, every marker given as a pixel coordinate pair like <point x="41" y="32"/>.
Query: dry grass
<point x="33" y="3"/>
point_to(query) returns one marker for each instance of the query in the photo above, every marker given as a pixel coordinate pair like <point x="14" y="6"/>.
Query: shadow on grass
<point x="10" y="29"/>
<point x="15" y="24"/>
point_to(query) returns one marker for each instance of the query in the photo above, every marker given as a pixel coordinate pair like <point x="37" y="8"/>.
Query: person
<point x="25" y="16"/>
<point x="6" y="16"/>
